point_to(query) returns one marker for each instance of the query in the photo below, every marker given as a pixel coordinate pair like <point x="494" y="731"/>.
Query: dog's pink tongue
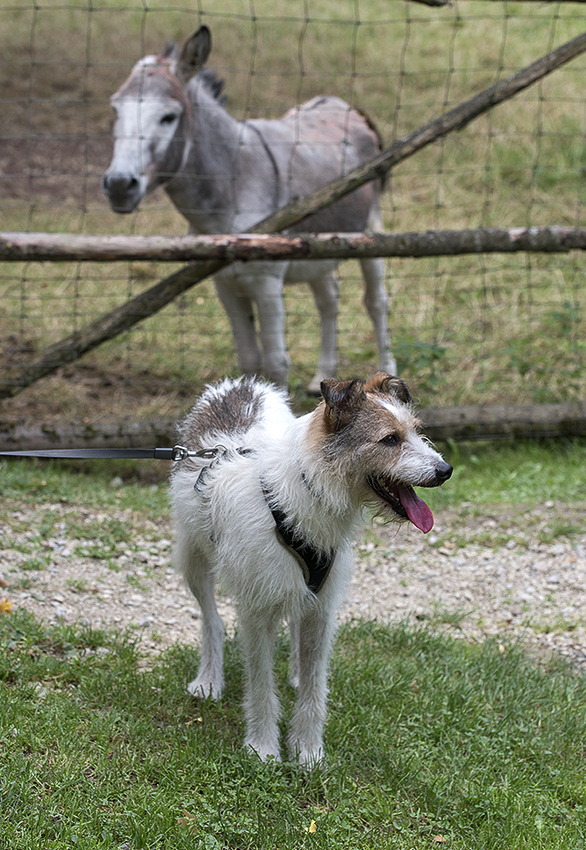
<point x="417" y="510"/>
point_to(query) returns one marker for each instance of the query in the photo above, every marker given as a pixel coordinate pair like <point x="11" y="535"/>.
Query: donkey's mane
<point x="214" y="84"/>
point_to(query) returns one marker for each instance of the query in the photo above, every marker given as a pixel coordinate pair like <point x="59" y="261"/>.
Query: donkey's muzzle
<point x="122" y="190"/>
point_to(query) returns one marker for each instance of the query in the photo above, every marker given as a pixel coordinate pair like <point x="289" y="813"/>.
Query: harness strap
<point x="315" y="563"/>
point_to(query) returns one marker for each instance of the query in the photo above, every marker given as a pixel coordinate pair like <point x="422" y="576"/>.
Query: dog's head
<point x="370" y="436"/>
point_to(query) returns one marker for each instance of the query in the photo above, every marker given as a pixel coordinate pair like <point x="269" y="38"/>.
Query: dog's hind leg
<point x="317" y="630"/>
<point x="261" y="704"/>
<point x="196" y="569"/>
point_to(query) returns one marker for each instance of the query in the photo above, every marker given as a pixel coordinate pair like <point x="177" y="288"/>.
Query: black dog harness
<point x="315" y="563"/>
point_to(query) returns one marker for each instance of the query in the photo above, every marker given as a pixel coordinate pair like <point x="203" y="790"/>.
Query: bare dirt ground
<point x="518" y="575"/>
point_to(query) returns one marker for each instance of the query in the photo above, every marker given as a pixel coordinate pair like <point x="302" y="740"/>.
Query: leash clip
<point x="181" y="453"/>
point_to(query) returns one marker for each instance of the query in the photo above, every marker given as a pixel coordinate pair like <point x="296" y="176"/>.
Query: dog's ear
<point x="342" y="398"/>
<point x="388" y="385"/>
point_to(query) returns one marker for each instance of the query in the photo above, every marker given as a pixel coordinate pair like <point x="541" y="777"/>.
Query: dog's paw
<point x="308" y="757"/>
<point x="202" y="688"/>
<point x="265" y="752"/>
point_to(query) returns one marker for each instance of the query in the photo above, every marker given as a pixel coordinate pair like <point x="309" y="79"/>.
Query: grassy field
<point x="481" y="329"/>
<point x="430" y="741"/>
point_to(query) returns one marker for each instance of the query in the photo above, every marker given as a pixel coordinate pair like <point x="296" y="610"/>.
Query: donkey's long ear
<point x="194" y="54"/>
<point x="170" y="53"/>
<point x="342" y="399"/>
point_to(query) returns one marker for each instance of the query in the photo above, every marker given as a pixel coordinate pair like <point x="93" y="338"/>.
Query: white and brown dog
<point x="272" y="518"/>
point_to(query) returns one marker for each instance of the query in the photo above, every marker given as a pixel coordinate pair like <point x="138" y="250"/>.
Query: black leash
<point x="175" y="453"/>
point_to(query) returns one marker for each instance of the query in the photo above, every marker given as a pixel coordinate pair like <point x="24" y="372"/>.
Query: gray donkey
<point x="225" y="175"/>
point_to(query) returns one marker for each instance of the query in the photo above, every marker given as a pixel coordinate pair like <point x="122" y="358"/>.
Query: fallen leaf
<point x="439" y="839"/>
<point x="5" y="606"/>
<point x="4" y="583"/>
<point x="312" y="827"/>
<point x="188" y="820"/>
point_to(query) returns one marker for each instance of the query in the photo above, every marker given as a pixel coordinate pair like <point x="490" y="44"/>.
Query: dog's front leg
<point x="316" y="632"/>
<point x="198" y="574"/>
<point x="261" y="704"/>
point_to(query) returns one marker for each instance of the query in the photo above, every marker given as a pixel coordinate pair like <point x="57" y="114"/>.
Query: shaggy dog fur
<point x="359" y="447"/>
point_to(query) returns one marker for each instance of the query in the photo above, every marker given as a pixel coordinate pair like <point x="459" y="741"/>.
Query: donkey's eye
<point x="169" y="118"/>
<point x="391" y="440"/>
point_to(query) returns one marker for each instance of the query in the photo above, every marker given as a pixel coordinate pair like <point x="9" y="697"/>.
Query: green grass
<point x="526" y="473"/>
<point x="88" y="485"/>
<point x="427" y="739"/>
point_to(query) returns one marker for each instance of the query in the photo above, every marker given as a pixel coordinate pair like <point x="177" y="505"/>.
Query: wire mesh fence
<point x="467" y="329"/>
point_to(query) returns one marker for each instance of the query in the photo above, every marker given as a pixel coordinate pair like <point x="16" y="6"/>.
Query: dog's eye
<point x="169" y="118"/>
<point x="391" y="440"/>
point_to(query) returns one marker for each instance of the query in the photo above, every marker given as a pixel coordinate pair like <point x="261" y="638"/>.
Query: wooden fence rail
<point x="19" y="247"/>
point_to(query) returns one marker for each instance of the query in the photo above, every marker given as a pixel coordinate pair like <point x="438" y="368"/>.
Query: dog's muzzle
<point x="404" y="501"/>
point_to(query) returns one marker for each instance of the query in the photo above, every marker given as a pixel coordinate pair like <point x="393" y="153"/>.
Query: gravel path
<point x="521" y="573"/>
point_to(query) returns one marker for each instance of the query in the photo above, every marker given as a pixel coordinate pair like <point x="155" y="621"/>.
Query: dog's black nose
<point x="444" y="471"/>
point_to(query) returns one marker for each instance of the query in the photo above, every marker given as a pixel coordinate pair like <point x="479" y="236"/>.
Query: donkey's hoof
<point x="314" y="386"/>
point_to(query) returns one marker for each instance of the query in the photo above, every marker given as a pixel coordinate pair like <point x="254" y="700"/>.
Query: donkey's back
<point x="313" y="144"/>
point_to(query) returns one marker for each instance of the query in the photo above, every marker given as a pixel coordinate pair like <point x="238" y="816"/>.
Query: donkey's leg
<point x="193" y="564"/>
<point x="239" y="310"/>
<point x="376" y="301"/>
<point x="317" y="630"/>
<point x="261" y="704"/>
<point x="326" y="293"/>
<point x="271" y="316"/>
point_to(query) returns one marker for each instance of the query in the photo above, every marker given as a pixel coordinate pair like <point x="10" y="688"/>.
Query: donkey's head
<point x="150" y="131"/>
